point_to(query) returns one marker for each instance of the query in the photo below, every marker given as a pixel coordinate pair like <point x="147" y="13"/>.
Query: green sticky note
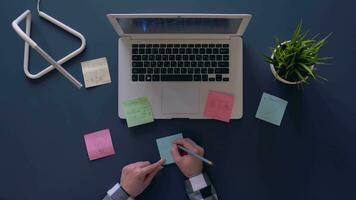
<point x="165" y="146"/>
<point x="271" y="109"/>
<point x="138" y="111"/>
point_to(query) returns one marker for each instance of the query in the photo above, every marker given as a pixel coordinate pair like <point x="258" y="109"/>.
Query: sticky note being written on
<point x="138" y="111"/>
<point x="99" y="144"/>
<point x="219" y="106"/>
<point x="165" y="145"/>
<point x="96" y="72"/>
<point x="271" y="109"/>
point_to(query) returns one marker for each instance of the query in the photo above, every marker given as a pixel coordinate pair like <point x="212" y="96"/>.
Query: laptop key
<point x="141" y="77"/>
<point x="180" y="64"/>
<point x="183" y="70"/>
<point x="163" y="70"/>
<point x="151" y="57"/>
<point x="211" y="71"/>
<point x="226" y="57"/>
<point x="197" y="70"/>
<point x="141" y="45"/>
<point x="149" y="70"/>
<point x="137" y="64"/>
<point x="221" y="70"/>
<point x="166" y="64"/>
<point x="134" y="51"/>
<point x="170" y="70"/>
<point x="144" y="57"/>
<point x="226" y="45"/>
<point x="136" y="57"/>
<point x="134" y="78"/>
<point x="223" y="64"/>
<point x="190" y="70"/>
<point x="173" y="64"/>
<point x="134" y="45"/>
<point x="148" y="51"/>
<point x="197" y="77"/>
<point x="225" y="79"/>
<point x="160" y="64"/>
<point x="156" y="70"/>
<point x="224" y="51"/>
<point x="204" y="78"/>
<point x="148" y="78"/>
<point x="176" y="78"/>
<point x="211" y="79"/>
<point x="161" y="50"/>
<point x="218" y="77"/>
<point x="141" y="51"/>
<point x="176" y="70"/>
<point x="155" y="77"/>
<point x="138" y="70"/>
<point x="193" y="64"/>
<point x="204" y="70"/>
<point x="207" y="64"/>
<point x="214" y="64"/>
<point x="209" y="51"/>
<point x="155" y="45"/>
<point x="153" y="64"/>
<point x="146" y="64"/>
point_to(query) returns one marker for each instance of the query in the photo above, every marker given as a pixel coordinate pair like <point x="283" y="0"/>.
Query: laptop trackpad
<point x="180" y="100"/>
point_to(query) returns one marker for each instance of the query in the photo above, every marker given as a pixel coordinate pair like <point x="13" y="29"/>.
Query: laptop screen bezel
<point x="114" y="18"/>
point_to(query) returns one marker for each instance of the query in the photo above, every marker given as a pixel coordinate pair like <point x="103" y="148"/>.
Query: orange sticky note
<point x="219" y="106"/>
<point x="99" y="144"/>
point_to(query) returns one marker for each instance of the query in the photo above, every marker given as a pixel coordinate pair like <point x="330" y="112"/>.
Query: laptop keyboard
<point x="180" y="62"/>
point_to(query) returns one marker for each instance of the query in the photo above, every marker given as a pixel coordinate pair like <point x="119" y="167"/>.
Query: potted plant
<point x="293" y="61"/>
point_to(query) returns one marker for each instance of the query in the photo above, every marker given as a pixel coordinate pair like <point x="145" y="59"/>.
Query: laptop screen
<point x="179" y="25"/>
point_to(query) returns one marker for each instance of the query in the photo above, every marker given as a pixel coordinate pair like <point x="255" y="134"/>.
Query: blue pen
<point x="195" y="155"/>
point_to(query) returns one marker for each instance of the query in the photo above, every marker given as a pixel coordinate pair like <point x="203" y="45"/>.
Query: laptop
<point x="176" y="59"/>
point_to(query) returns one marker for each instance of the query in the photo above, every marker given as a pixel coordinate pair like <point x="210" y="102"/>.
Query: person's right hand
<point x="137" y="176"/>
<point x="189" y="165"/>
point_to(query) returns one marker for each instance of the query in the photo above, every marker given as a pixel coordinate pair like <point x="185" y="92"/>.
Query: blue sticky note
<point x="165" y="146"/>
<point x="271" y="109"/>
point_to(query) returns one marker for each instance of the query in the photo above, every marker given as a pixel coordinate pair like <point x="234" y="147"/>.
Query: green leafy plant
<point x="294" y="60"/>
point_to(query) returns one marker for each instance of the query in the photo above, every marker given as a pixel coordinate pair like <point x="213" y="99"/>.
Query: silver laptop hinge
<point x="180" y="36"/>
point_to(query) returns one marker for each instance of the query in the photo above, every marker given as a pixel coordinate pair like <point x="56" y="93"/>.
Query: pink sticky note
<point x="99" y="144"/>
<point x="219" y="106"/>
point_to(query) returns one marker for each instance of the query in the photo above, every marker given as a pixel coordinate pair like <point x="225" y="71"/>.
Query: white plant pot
<point x="275" y="74"/>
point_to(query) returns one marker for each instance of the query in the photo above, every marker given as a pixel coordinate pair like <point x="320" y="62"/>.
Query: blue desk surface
<point x="42" y="122"/>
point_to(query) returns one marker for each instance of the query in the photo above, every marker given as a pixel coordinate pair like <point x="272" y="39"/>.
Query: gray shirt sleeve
<point x="117" y="193"/>
<point x="200" y="188"/>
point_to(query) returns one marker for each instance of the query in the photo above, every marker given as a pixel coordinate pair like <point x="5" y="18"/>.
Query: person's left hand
<point x="137" y="176"/>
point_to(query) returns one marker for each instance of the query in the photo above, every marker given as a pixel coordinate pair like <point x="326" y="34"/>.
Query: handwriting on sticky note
<point x="271" y="109"/>
<point x="99" y="144"/>
<point x="138" y="111"/>
<point x="96" y="72"/>
<point x="165" y="145"/>
<point x="219" y="106"/>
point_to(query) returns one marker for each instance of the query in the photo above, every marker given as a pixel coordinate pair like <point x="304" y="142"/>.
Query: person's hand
<point x="189" y="165"/>
<point x="137" y="176"/>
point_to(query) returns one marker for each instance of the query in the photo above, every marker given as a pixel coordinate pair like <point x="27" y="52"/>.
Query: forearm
<point x="117" y="193"/>
<point x="200" y="188"/>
